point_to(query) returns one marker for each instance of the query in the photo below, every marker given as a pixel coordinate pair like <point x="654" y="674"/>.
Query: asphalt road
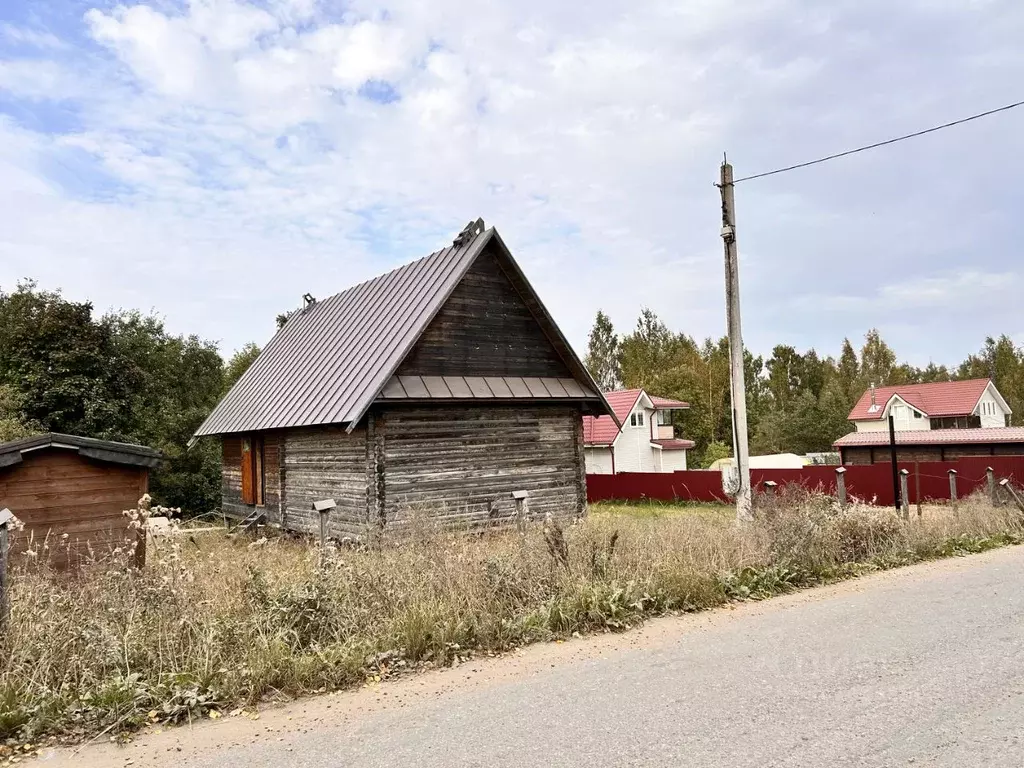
<point x="923" y="666"/>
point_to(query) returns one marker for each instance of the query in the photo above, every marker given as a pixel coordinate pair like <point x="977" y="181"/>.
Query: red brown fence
<point x="867" y="482"/>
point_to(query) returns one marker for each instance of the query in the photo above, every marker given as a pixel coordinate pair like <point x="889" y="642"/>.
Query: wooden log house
<point x="442" y="387"/>
<point x="65" y="484"/>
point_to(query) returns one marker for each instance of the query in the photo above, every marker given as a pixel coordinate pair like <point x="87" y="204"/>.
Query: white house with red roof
<point x="940" y="421"/>
<point x="646" y="441"/>
<point x="970" y="404"/>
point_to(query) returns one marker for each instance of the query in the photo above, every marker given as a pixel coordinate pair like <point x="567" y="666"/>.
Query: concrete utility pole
<point x="895" y="467"/>
<point x="738" y="386"/>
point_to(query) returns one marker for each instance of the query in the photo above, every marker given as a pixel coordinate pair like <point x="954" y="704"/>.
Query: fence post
<point x="324" y="507"/>
<point x="952" y="488"/>
<point x="904" y="497"/>
<point x="522" y="501"/>
<point x="841" y="486"/>
<point x="991" y="475"/>
<point x="917" y="486"/>
<point x="141" y="535"/>
<point x="5" y="599"/>
<point x="1005" y="483"/>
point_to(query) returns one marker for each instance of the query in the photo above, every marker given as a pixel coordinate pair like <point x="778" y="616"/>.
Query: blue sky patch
<point x="379" y="91"/>
<point x="82" y="176"/>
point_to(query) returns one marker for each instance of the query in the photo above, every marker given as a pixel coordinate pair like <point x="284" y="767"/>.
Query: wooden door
<point x="257" y="471"/>
<point x="248" y="494"/>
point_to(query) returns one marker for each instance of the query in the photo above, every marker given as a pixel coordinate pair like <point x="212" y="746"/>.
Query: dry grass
<point x="214" y="623"/>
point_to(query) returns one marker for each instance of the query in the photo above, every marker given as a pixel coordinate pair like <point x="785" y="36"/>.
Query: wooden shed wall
<point x="484" y="329"/>
<point x="231" y="477"/>
<point x="56" y="491"/>
<point x="463" y="463"/>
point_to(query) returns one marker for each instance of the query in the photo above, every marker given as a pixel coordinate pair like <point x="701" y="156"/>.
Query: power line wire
<point x="881" y="143"/>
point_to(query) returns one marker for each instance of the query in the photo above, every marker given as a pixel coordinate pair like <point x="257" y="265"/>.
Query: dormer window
<point x="636" y="419"/>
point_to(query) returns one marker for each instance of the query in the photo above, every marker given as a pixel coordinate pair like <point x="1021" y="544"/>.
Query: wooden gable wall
<point x="484" y="329"/>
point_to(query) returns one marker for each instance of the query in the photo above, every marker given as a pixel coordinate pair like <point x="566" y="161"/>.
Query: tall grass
<point x="214" y="623"/>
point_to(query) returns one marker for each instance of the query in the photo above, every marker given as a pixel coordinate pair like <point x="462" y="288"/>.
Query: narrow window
<point x="640" y="419"/>
<point x="252" y="470"/>
<point x="632" y="419"/>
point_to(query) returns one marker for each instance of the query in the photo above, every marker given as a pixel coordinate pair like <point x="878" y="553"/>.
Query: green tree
<point x="602" y="358"/>
<point x="1002" y="361"/>
<point x="935" y="373"/>
<point x="715" y="450"/>
<point x="12" y="425"/>
<point x="848" y="374"/>
<point x="239" y="364"/>
<point x="182" y="382"/>
<point x="119" y="377"/>
<point x="64" y="368"/>
<point x="877" y="361"/>
<point x="645" y="353"/>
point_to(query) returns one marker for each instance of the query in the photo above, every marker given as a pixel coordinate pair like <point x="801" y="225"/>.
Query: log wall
<point x="325" y="463"/>
<point x="231" y="477"/>
<point x="462" y="463"/>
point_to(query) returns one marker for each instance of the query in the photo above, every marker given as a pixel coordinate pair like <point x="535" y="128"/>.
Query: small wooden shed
<point x="444" y="386"/>
<point x="63" y="484"/>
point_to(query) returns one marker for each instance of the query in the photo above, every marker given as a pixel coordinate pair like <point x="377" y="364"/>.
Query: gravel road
<point x="923" y="666"/>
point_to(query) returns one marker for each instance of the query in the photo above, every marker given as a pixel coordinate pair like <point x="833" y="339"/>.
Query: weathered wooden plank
<point x="581" y="470"/>
<point x="325" y="463"/>
<point x="378" y="474"/>
<point x="57" y="491"/>
<point x="462" y="463"/>
<point x="485" y="328"/>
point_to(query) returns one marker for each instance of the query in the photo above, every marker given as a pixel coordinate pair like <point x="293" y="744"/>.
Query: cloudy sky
<point x="216" y="159"/>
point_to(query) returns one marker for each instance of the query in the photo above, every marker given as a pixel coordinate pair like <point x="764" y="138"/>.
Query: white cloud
<point x="37" y="80"/>
<point x="163" y="52"/>
<point x="36" y="38"/>
<point x="237" y="151"/>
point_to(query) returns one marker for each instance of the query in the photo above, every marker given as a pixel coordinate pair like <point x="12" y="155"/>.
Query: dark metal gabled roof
<point x="101" y="450"/>
<point x="331" y="360"/>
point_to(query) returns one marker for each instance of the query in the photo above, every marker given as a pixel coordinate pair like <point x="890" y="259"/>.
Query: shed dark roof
<point x="332" y="359"/>
<point x="100" y="450"/>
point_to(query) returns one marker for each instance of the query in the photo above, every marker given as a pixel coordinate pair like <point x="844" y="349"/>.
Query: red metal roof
<point x="978" y="436"/>
<point x="940" y="398"/>
<point x="602" y="430"/>
<point x="674" y="445"/>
